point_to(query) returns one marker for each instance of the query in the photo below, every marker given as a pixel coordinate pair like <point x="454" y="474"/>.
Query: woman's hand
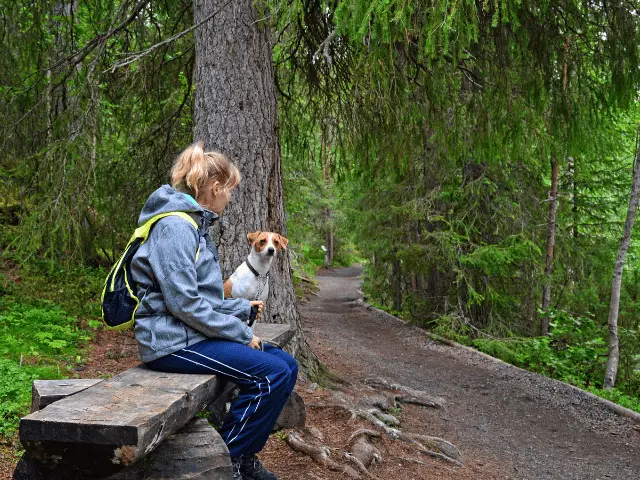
<point x="255" y="343"/>
<point x="260" y="305"/>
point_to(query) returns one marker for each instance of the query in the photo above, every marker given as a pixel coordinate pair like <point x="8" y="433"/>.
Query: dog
<point x="251" y="279"/>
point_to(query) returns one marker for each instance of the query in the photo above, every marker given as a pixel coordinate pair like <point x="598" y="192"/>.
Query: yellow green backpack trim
<point x="119" y="302"/>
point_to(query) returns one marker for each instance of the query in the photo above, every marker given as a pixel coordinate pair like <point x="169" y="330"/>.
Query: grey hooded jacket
<point x="181" y="299"/>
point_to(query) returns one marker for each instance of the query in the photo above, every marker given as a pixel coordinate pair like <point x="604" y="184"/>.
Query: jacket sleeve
<point x="173" y="262"/>
<point x="238" y="307"/>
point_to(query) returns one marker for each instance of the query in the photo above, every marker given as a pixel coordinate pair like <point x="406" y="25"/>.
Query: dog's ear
<point x="252" y="237"/>
<point x="284" y="241"/>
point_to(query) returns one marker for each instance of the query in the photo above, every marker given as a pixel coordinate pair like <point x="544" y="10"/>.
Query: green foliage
<point x="36" y="342"/>
<point x="45" y="332"/>
<point x="75" y="288"/>
<point x="617" y="396"/>
<point x="395" y="411"/>
<point x="498" y="260"/>
<point x="38" y="338"/>
<point x="280" y="435"/>
<point x="15" y="391"/>
<point x="84" y="141"/>
<point x="574" y="352"/>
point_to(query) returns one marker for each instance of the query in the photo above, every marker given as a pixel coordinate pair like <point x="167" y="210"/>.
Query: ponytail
<point x="194" y="168"/>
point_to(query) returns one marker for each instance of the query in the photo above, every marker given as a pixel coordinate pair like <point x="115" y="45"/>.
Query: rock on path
<point x="536" y="427"/>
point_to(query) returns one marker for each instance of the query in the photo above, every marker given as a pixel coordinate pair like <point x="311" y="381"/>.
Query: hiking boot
<point x="236" y="463"/>
<point x="251" y="468"/>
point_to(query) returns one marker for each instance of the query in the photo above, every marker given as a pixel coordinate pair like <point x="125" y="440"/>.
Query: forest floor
<point x="508" y="423"/>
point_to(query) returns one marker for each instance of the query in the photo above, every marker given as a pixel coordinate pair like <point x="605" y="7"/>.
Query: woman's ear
<point x="252" y="237"/>
<point x="284" y="241"/>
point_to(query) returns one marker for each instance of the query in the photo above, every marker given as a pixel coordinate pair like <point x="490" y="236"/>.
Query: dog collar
<point x="254" y="271"/>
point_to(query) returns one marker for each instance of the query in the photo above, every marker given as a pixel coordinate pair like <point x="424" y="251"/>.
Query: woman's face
<point x="214" y="197"/>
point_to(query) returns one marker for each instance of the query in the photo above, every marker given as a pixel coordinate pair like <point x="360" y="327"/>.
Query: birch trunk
<point x="236" y="113"/>
<point x="614" y="352"/>
<point x="551" y="243"/>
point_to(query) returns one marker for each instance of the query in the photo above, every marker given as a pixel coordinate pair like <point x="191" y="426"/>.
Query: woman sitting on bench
<point x="185" y="325"/>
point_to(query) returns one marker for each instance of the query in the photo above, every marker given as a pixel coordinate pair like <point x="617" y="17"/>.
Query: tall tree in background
<point x="551" y="243"/>
<point x="236" y="113"/>
<point x="625" y="240"/>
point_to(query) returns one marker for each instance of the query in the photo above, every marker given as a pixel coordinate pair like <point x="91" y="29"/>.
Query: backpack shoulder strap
<point x="143" y="230"/>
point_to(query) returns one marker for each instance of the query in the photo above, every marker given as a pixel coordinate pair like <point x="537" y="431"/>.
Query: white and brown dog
<point x="251" y="278"/>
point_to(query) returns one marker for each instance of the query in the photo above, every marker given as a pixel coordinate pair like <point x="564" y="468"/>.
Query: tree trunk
<point x="396" y="279"/>
<point x="614" y="354"/>
<point x="551" y="243"/>
<point x="236" y="113"/>
<point x="574" y="197"/>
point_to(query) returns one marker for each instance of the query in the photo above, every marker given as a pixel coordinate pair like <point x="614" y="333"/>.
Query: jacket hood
<point x="168" y="199"/>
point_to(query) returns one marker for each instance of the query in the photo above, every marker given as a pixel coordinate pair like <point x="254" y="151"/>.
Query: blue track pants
<point x="265" y="378"/>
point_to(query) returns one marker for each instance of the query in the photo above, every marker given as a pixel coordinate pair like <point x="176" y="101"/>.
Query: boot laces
<point x="237" y="466"/>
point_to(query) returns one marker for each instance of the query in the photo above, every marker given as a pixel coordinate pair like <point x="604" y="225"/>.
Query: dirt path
<point x="523" y="424"/>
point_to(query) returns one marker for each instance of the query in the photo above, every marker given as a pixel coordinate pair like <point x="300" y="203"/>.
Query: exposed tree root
<point x="358" y="451"/>
<point x="380" y="401"/>
<point x="321" y="454"/>
<point x="438" y="444"/>
<point x="352" y="413"/>
<point x="359" y="466"/>
<point x="360" y="447"/>
<point x="440" y="456"/>
<point x="315" y="433"/>
<point x="390" y="431"/>
<point x="363" y="431"/>
<point x="411" y="395"/>
<point x="385" y="417"/>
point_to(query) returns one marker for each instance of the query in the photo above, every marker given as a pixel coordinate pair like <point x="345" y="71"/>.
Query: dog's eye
<point x="276" y="243"/>
<point x="263" y="242"/>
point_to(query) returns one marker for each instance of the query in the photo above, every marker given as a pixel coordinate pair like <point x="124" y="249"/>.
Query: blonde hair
<point x="194" y="168"/>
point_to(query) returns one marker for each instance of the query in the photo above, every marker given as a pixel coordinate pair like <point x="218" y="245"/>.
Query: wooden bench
<point x="103" y="429"/>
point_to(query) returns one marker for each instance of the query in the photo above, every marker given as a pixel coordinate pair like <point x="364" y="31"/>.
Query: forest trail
<point x="522" y="424"/>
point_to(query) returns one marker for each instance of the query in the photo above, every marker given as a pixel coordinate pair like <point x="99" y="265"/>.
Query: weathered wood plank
<point x="45" y="392"/>
<point x="116" y="422"/>
<point x="277" y="334"/>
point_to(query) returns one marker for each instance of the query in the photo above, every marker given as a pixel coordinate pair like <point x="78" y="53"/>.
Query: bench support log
<point x="196" y="451"/>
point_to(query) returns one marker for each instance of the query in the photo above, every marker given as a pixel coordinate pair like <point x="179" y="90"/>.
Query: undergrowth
<point x="36" y="342"/>
<point x="41" y="334"/>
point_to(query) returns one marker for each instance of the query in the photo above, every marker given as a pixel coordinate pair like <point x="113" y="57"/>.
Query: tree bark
<point x="236" y="114"/>
<point x="553" y="208"/>
<point x="396" y="280"/>
<point x="551" y="243"/>
<point x="614" y="353"/>
<point x="420" y="273"/>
